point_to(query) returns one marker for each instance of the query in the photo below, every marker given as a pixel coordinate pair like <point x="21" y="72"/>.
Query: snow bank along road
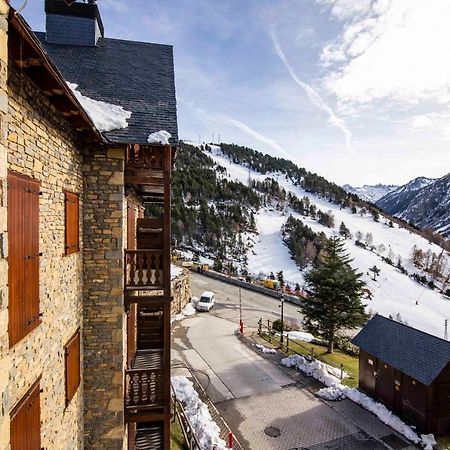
<point x="254" y="394"/>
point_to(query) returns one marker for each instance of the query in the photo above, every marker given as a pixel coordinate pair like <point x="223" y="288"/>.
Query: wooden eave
<point x="27" y="52"/>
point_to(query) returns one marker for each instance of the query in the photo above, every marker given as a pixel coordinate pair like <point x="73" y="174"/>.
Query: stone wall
<point x="181" y="291"/>
<point x="4" y="361"/>
<point x="104" y="324"/>
<point x="41" y="144"/>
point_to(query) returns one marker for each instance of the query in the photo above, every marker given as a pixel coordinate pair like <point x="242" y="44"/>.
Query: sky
<point x="355" y="90"/>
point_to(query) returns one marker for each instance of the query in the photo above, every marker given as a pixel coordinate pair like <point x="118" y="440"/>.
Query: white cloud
<point x="422" y="121"/>
<point x="394" y="49"/>
<point x="313" y="95"/>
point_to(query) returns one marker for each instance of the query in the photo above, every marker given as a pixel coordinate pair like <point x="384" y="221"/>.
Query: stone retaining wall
<point x="181" y="292"/>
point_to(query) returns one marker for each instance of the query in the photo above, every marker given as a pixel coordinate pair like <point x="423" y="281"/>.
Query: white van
<point x="206" y="301"/>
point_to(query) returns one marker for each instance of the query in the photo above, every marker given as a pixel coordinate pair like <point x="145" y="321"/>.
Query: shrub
<point x="276" y="325"/>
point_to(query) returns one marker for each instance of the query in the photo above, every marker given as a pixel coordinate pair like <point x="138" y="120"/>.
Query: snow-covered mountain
<point x="423" y="201"/>
<point x="370" y="193"/>
<point x="389" y="246"/>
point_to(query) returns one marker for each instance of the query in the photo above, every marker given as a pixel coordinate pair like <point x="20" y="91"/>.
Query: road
<point x="266" y="406"/>
<point x="254" y="305"/>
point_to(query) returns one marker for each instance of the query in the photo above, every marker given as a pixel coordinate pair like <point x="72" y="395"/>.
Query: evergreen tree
<point x="336" y="290"/>
<point x="280" y="278"/>
<point x="344" y="231"/>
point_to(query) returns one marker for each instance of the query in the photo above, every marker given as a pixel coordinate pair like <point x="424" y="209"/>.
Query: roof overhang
<point x="27" y="52"/>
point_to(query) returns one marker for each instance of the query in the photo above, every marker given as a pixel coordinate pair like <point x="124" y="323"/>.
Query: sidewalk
<point x="303" y="420"/>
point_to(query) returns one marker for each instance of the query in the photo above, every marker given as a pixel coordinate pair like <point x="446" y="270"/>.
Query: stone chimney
<point x="77" y="24"/>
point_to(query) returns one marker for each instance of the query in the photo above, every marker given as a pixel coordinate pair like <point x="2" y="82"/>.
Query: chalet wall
<point x="4" y="362"/>
<point x="104" y="323"/>
<point x="41" y="144"/>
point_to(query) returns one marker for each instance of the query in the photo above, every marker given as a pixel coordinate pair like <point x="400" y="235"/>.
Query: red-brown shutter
<point x="26" y="421"/>
<point x="131" y="227"/>
<point x="72" y="225"/>
<point x="23" y="256"/>
<point x="72" y="356"/>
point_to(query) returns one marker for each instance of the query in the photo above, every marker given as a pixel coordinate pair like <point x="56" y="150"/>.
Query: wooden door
<point x="131" y="227"/>
<point x="385" y="384"/>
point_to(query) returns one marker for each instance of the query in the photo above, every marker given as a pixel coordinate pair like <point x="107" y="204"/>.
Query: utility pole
<point x="241" y="323"/>
<point x="446" y="330"/>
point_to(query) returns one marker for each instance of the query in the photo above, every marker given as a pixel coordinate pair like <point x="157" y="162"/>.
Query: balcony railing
<point x="143" y="269"/>
<point x="144" y="389"/>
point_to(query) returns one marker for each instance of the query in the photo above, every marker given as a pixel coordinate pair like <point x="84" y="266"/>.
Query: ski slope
<point x="393" y="292"/>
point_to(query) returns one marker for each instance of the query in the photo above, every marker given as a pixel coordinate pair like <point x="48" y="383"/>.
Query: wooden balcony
<point x="143" y="270"/>
<point x="144" y="387"/>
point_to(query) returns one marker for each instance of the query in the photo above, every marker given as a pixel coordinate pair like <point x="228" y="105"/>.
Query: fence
<point x="186" y="428"/>
<point x="271" y="336"/>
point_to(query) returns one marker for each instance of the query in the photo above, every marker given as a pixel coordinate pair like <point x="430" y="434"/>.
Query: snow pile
<point x="188" y="310"/>
<point x="428" y="440"/>
<point x="339" y="392"/>
<point x="300" y="335"/>
<point x="175" y="271"/>
<point x="159" y="137"/>
<point x="106" y="117"/>
<point x="327" y="375"/>
<point x="265" y="349"/>
<point x="206" y="430"/>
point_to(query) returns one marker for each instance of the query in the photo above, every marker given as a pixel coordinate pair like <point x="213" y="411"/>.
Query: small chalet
<point x="407" y="370"/>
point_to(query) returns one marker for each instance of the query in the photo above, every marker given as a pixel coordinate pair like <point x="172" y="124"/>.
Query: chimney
<point x="77" y="24"/>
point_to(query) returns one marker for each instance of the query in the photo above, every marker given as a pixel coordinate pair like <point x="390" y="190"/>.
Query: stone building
<point x="85" y="284"/>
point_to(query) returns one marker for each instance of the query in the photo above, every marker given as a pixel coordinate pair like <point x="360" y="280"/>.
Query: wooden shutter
<point x="23" y="256"/>
<point x="72" y="356"/>
<point x="26" y="421"/>
<point x="131" y="227"/>
<point x="72" y="225"/>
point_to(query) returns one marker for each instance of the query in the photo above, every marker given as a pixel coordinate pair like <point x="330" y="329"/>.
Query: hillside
<point x="423" y="202"/>
<point x="283" y="231"/>
<point x="370" y="193"/>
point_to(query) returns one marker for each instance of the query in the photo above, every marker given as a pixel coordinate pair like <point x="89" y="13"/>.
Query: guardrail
<point x="251" y="287"/>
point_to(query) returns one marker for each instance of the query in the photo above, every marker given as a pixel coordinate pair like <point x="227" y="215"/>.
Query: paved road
<point x="255" y="395"/>
<point x="254" y="305"/>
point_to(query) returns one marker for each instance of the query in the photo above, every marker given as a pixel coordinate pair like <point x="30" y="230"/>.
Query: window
<point x="23" y="256"/>
<point x="72" y="225"/>
<point x="26" y="421"/>
<point x="72" y="362"/>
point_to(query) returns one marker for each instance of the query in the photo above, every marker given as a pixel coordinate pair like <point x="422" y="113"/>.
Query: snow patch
<point x="159" y="137"/>
<point x="188" y="310"/>
<point x="106" y="117"/>
<point x="205" y="429"/>
<point x="265" y="349"/>
<point x="175" y="271"/>
<point x="300" y="335"/>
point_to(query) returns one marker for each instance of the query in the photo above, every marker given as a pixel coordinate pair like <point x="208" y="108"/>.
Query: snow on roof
<point x="159" y="137"/>
<point x="106" y="117"/>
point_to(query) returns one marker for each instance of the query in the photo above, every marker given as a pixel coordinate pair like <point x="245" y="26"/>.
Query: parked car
<point x="206" y="301"/>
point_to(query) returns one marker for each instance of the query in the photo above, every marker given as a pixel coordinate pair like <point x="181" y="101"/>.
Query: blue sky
<point x="356" y="90"/>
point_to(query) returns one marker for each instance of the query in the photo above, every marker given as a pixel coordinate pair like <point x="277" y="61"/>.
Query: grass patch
<point x="443" y="442"/>
<point x="176" y="437"/>
<point x="350" y="363"/>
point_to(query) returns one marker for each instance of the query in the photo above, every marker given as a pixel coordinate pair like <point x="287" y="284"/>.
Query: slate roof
<point x="413" y="352"/>
<point x="138" y="76"/>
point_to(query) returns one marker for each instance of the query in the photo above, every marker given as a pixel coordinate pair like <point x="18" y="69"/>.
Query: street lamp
<point x="281" y="305"/>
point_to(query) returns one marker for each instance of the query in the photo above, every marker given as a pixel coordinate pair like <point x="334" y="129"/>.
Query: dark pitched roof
<point x="135" y="75"/>
<point x="415" y="353"/>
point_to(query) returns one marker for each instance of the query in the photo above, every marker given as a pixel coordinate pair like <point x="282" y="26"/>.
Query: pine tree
<point x="336" y="290"/>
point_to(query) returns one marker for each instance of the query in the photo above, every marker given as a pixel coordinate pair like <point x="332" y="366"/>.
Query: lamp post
<point x="241" y="323"/>
<point x="281" y="305"/>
